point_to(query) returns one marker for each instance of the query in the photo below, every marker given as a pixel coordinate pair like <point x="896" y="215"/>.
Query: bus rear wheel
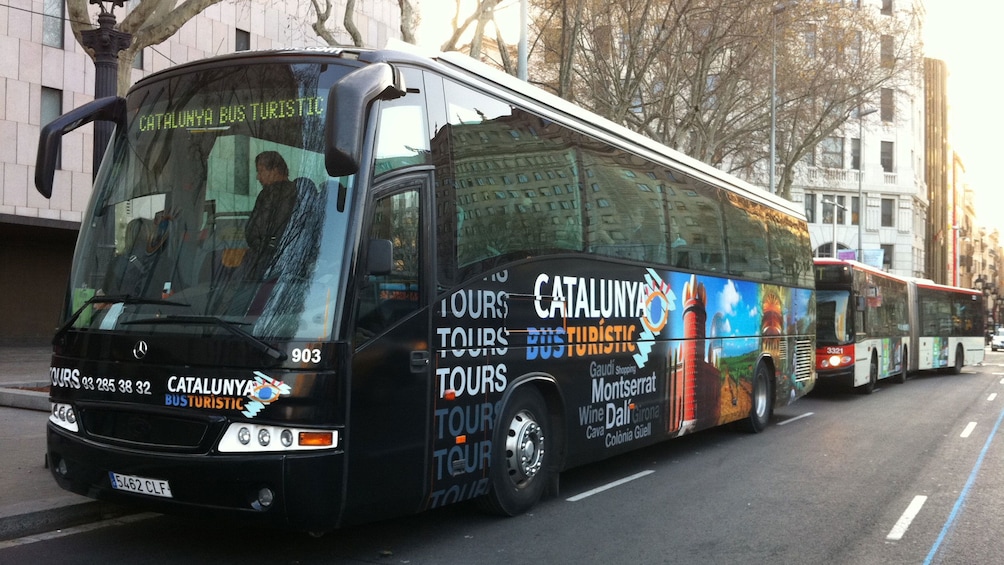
<point x="520" y="455"/>
<point x="873" y="368"/>
<point x="960" y="358"/>
<point x="901" y="376"/>
<point x="763" y="404"/>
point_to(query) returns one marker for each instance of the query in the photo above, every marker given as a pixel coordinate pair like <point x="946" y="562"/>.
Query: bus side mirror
<point x="380" y="259"/>
<point x="111" y="108"/>
<point x="349" y="101"/>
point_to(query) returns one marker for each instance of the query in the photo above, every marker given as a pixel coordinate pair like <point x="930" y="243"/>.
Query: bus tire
<point x="872" y="377"/>
<point x="960" y="359"/>
<point x="520" y="459"/>
<point x="762" y="401"/>
<point x="901" y="376"/>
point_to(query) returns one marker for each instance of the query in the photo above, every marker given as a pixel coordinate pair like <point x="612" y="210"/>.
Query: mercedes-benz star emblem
<point x="139" y="350"/>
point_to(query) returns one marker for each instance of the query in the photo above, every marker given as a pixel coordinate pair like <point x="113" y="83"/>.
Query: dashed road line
<point x="897" y="531"/>
<point x="608" y="486"/>
<point x="968" y="431"/>
<point x="992" y="397"/>
<point x="792" y="419"/>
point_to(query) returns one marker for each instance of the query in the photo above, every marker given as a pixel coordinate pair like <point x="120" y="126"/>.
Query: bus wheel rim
<point x="760" y="398"/>
<point x="524" y="448"/>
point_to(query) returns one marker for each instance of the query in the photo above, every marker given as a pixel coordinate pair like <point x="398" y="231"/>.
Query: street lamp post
<point x="106" y="41"/>
<point x="861" y="176"/>
<point x="777" y="9"/>
<point x="955" y="251"/>
<point x="833" y="251"/>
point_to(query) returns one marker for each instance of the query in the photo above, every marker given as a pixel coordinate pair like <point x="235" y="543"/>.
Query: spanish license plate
<point x="140" y="485"/>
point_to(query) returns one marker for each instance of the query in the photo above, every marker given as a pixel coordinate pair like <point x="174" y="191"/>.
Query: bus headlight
<point x="64" y="416"/>
<point x="238" y="439"/>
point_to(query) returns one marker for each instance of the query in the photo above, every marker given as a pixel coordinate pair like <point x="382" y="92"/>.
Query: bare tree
<point x="695" y="74"/>
<point x="150" y="23"/>
<point x="323" y="9"/>
<point x="409" y="20"/>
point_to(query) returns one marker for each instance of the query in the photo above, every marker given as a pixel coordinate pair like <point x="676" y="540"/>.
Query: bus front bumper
<point x="299" y="491"/>
<point x="841" y="377"/>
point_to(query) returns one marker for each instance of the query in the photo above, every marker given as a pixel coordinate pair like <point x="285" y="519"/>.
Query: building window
<point x="810" y="208"/>
<point x="831" y="153"/>
<point x="137" y="61"/>
<point x="855" y="210"/>
<point x="888" y="207"/>
<point x="828" y="209"/>
<point x="51" y="108"/>
<point x="887" y="56"/>
<point x="886" y="7"/>
<point x="841" y="210"/>
<point x="887" y="256"/>
<point x="856" y="154"/>
<point x="52" y="23"/>
<point x="242" y="40"/>
<point x="888" y="106"/>
<point x="887" y="156"/>
<point x="809" y="36"/>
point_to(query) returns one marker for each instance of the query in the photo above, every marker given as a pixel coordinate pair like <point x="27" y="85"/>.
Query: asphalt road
<point x="912" y="473"/>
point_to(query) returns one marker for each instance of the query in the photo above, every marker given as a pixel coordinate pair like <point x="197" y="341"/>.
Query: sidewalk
<point x="30" y="500"/>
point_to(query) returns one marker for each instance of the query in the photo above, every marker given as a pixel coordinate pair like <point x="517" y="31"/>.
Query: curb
<point x="58" y="517"/>
<point x="20" y="395"/>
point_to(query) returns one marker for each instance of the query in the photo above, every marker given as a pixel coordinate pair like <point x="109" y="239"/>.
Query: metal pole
<point x="773" y="97"/>
<point x="524" y="19"/>
<point x="861" y="177"/>
<point x="834" y="250"/>
<point x="956" y="248"/>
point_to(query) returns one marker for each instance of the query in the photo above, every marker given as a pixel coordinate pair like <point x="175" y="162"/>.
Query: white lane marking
<point x="969" y="429"/>
<point x="992" y="397"/>
<point x="608" y="486"/>
<point x="799" y="417"/>
<point x="897" y="531"/>
<point x="46" y="536"/>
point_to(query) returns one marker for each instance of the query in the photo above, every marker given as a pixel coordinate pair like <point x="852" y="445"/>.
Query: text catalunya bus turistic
<point x="315" y="288"/>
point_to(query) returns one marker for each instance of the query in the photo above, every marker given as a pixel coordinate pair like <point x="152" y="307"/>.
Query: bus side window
<point x="387" y="298"/>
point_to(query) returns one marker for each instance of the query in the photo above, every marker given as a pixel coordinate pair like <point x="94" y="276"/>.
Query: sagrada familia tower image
<point x="695" y="382"/>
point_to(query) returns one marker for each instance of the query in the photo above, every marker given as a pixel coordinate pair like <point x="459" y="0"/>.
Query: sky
<point x="966" y="34"/>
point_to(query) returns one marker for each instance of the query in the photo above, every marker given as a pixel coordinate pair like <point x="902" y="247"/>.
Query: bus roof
<point x="922" y="283"/>
<point x="464" y="68"/>
<point x="828" y="262"/>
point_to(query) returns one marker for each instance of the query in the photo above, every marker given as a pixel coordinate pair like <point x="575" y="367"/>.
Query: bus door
<point x="389" y="401"/>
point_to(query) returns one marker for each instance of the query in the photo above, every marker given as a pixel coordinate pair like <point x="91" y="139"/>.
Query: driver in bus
<point x="271" y="212"/>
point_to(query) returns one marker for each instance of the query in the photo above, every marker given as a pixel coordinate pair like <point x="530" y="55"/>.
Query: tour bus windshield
<point x="833" y="317"/>
<point x="214" y="211"/>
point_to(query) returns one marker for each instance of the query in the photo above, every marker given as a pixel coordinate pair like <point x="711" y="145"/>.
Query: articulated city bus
<point x="874" y="325"/>
<point x="316" y="288"/>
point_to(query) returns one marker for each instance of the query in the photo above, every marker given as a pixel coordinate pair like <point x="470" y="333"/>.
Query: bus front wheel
<point x="520" y="455"/>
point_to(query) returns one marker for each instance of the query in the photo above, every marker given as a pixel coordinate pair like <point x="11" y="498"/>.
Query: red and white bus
<point x="473" y="286"/>
<point x="872" y="325"/>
